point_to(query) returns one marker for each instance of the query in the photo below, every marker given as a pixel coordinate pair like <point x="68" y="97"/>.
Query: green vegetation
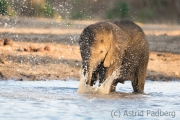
<point x="139" y="10"/>
<point x="120" y="10"/>
<point x="147" y="13"/>
<point x="76" y="15"/>
<point x="80" y="9"/>
<point x="44" y="9"/>
<point x="3" y="7"/>
<point x="48" y="10"/>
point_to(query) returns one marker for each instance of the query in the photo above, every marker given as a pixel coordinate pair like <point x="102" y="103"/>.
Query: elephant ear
<point x="117" y="46"/>
<point x="109" y="58"/>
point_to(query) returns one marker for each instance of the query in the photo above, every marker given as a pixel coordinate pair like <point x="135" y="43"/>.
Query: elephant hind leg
<point x="139" y="80"/>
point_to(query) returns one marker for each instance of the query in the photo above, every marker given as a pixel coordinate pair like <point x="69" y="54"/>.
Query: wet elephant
<point x="118" y="46"/>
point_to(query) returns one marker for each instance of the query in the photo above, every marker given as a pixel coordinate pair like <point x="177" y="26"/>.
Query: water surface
<point x="55" y="100"/>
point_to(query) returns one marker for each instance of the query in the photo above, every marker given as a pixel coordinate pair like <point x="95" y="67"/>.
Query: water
<point x="55" y="100"/>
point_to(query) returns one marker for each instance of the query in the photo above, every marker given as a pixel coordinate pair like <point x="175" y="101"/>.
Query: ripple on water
<point x="60" y="100"/>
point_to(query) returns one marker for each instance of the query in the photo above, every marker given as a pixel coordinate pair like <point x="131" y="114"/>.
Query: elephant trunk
<point x="94" y="62"/>
<point x="92" y="67"/>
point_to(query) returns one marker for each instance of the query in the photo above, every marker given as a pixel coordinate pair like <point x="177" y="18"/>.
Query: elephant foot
<point x="113" y="88"/>
<point x="138" y="89"/>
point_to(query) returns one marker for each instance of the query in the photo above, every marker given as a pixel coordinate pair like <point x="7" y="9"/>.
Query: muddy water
<point x="55" y="100"/>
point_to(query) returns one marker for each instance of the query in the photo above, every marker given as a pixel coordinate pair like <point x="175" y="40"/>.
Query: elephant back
<point x="129" y="27"/>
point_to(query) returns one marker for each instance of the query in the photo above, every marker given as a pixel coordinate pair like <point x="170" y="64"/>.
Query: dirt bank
<point x="63" y="60"/>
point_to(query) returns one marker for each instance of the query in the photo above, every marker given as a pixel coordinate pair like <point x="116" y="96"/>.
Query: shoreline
<point x="17" y="64"/>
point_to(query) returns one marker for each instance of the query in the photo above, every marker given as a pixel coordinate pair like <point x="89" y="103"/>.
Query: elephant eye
<point x="102" y="41"/>
<point x="101" y="51"/>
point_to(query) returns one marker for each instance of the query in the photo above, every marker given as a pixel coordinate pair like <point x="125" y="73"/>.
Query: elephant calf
<point x="118" y="46"/>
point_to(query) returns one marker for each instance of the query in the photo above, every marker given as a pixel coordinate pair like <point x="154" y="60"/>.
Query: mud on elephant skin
<point x="118" y="46"/>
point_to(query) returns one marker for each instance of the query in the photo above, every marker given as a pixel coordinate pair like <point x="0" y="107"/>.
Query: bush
<point x="121" y="10"/>
<point x="48" y="10"/>
<point x="37" y="8"/>
<point x="3" y="7"/>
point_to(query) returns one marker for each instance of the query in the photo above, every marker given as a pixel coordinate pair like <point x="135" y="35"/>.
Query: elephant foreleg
<point x="102" y="72"/>
<point x="113" y="86"/>
<point x="94" y="78"/>
<point x="99" y="71"/>
<point x="108" y="85"/>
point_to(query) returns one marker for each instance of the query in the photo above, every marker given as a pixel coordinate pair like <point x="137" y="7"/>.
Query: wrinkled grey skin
<point x="114" y="46"/>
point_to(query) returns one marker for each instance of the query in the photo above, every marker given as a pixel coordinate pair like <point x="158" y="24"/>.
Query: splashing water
<point x="104" y="88"/>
